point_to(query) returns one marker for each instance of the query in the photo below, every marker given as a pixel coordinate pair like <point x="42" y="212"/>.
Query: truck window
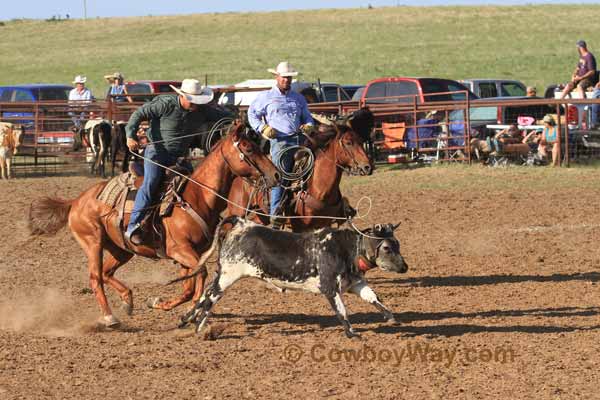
<point x="23" y="95"/>
<point x="330" y="93"/>
<point x="138" y="89"/>
<point x="512" y="89"/>
<point x="165" y="88"/>
<point x="386" y="89"/>
<point x="487" y="89"/>
<point x="431" y="87"/>
<point x="6" y="95"/>
<point x="53" y="94"/>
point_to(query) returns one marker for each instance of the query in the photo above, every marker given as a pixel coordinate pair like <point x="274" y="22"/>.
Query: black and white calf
<point x="326" y="261"/>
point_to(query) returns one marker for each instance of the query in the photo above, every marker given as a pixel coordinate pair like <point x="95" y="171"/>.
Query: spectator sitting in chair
<point x="584" y="75"/>
<point x="549" y="138"/>
<point x="509" y="135"/>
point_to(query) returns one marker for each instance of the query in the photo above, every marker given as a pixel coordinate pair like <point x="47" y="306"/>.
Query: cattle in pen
<point x="10" y="138"/>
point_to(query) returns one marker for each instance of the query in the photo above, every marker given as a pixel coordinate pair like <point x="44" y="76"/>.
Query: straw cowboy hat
<point x="549" y="119"/>
<point x="194" y="92"/>
<point x="112" y="77"/>
<point x="284" y="68"/>
<point x="80" y="79"/>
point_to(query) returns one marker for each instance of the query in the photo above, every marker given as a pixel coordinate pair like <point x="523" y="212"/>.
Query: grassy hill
<point x="535" y="44"/>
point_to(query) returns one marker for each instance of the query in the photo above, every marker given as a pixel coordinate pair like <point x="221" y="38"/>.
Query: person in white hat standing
<point x="80" y="96"/>
<point x="80" y="93"/>
<point x="171" y="118"/>
<point x="280" y="114"/>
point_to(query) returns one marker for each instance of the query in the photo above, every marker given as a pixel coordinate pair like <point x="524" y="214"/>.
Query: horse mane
<point x="362" y="122"/>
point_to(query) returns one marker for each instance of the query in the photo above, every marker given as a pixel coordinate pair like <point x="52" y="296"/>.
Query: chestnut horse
<point x="338" y="148"/>
<point x="93" y="223"/>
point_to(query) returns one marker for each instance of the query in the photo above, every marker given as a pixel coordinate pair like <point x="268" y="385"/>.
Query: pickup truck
<point x="18" y="103"/>
<point x="317" y="92"/>
<point x="486" y="88"/>
<point x="404" y="90"/>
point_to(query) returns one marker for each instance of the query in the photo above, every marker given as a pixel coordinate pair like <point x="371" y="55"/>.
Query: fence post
<point x="36" y="123"/>
<point x="468" y="129"/>
<point x="559" y="136"/>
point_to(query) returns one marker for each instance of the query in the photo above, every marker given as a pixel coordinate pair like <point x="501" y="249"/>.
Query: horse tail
<point x="215" y="246"/>
<point x="48" y="215"/>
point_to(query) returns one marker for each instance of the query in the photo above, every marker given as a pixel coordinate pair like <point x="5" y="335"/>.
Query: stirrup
<point x="135" y="235"/>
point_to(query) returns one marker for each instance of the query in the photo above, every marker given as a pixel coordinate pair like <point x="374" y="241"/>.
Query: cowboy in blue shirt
<point x="279" y="114"/>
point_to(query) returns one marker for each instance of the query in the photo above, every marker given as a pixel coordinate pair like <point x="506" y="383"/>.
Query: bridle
<point x="353" y="170"/>
<point x="246" y="158"/>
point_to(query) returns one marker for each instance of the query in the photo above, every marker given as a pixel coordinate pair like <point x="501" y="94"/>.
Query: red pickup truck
<point x="404" y="90"/>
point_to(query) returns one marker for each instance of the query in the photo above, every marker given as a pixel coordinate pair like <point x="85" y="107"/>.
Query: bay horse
<point x="94" y="226"/>
<point x="338" y="148"/>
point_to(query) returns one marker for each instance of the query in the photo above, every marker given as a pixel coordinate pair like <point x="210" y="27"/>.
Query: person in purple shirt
<point x="281" y="115"/>
<point x="584" y="75"/>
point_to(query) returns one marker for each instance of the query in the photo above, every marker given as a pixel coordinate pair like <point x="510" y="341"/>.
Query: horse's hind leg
<point x="115" y="257"/>
<point x="91" y="243"/>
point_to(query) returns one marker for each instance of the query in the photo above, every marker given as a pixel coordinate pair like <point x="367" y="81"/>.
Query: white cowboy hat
<point x="284" y="68"/>
<point x="80" y="79"/>
<point x="194" y="92"/>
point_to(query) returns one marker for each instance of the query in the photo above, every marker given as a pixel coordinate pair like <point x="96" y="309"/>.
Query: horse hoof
<point x="153" y="302"/>
<point x="110" y="321"/>
<point x="127" y="307"/>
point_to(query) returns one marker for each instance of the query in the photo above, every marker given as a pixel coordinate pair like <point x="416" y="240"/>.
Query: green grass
<point x="535" y="44"/>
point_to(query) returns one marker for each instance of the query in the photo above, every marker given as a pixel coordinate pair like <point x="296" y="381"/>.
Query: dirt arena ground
<point x="501" y="301"/>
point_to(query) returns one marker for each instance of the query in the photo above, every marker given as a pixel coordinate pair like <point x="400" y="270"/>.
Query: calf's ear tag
<point x="242" y="156"/>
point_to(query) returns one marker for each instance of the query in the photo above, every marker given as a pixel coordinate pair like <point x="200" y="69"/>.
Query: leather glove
<point x="307" y="129"/>
<point x="268" y="132"/>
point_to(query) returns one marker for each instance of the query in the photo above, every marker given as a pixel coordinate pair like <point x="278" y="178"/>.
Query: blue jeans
<point x="153" y="176"/>
<point x="595" y="108"/>
<point x="287" y="164"/>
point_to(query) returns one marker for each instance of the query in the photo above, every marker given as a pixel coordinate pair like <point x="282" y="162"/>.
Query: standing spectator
<point x="80" y="96"/>
<point x="279" y="114"/>
<point x="584" y="75"/>
<point x="80" y="93"/>
<point x="117" y="88"/>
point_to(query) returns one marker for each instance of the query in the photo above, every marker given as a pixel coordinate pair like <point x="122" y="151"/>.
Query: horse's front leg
<point x="188" y="258"/>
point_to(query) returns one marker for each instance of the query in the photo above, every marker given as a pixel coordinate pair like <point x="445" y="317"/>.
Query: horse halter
<point x="363" y="250"/>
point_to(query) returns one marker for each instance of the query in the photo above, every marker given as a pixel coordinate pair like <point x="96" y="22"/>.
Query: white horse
<point x="10" y="136"/>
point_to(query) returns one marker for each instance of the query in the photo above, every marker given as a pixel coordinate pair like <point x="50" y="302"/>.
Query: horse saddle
<point x="119" y="194"/>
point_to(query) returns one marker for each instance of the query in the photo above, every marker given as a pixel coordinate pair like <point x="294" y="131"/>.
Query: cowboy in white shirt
<point x="80" y="92"/>
<point x="79" y="96"/>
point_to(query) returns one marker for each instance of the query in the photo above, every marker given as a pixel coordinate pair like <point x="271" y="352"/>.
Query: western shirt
<point x="283" y="112"/>
<point x="169" y="122"/>
<point x="85" y="94"/>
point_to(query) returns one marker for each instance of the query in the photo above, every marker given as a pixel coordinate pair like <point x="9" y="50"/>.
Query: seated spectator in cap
<point x="584" y="75"/>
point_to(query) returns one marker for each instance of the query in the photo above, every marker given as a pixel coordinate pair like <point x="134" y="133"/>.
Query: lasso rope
<point x="244" y="208"/>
